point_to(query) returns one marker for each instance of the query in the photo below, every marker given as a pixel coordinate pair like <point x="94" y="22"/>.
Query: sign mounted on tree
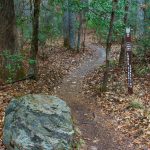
<point x="128" y="55"/>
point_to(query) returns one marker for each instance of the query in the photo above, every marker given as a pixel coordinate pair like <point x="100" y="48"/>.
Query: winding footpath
<point x="96" y="134"/>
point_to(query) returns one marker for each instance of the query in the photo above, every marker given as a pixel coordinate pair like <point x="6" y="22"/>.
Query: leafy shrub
<point x="12" y="63"/>
<point x="143" y="70"/>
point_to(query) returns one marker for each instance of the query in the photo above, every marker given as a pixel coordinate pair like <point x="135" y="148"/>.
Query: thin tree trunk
<point x="84" y="24"/>
<point x="69" y="25"/>
<point x="72" y="30"/>
<point x="84" y="36"/>
<point x="146" y="28"/>
<point x="79" y="32"/>
<point x="108" y="46"/>
<point x="34" y="44"/>
<point x="122" y="52"/>
<point x="146" y="17"/>
<point x="66" y="25"/>
<point x="140" y="19"/>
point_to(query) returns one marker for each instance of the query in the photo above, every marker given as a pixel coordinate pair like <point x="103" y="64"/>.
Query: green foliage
<point x="78" y="144"/>
<point x="143" y="44"/>
<point x="13" y="63"/>
<point x="99" y="19"/>
<point x="132" y="15"/>
<point x="143" y="47"/>
<point x="97" y="14"/>
<point x="136" y="105"/>
<point x="32" y="61"/>
<point x="142" y="70"/>
<point x="50" y="21"/>
<point x="25" y="26"/>
<point x="112" y="63"/>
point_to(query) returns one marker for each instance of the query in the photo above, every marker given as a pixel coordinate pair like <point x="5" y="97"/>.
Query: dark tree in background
<point x="69" y="25"/>
<point x="125" y="20"/>
<point x="108" y="45"/>
<point x="66" y="24"/>
<point x="146" y="43"/>
<point x="140" y="19"/>
<point x="82" y="25"/>
<point x="34" y="44"/>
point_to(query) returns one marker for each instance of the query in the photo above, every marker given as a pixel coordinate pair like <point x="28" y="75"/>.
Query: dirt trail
<point x="95" y="132"/>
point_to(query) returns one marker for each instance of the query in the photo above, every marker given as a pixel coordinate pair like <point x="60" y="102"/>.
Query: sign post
<point x="128" y="55"/>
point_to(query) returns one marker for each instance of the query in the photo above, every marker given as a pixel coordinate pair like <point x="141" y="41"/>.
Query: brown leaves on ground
<point x="57" y="63"/>
<point x="129" y="113"/>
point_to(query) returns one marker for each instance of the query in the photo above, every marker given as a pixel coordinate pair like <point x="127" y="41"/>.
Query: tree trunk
<point x="7" y="26"/>
<point x="66" y="25"/>
<point x="122" y="53"/>
<point x="146" y="17"/>
<point x="84" y="22"/>
<point x="34" y="44"/>
<point x="140" y="19"/>
<point x="146" y="9"/>
<point x="8" y="36"/>
<point x="108" y="46"/>
<point x="71" y="30"/>
<point x="79" y="32"/>
<point x="69" y="26"/>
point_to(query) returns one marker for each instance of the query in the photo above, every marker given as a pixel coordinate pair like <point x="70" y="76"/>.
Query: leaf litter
<point x="53" y="65"/>
<point x="130" y="114"/>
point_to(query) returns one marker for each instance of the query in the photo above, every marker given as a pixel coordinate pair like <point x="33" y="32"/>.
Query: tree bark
<point x="108" y="45"/>
<point x="8" y="36"/>
<point x="146" y="17"/>
<point x="69" y="26"/>
<point x="140" y="19"/>
<point x="66" y="25"/>
<point x="122" y="52"/>
<point x="71" y="30"/>
<point x="146" y="9"/>
<point x="34" y="44"/>
<point x="79" y="32"/>
<point x="7" y="26"/>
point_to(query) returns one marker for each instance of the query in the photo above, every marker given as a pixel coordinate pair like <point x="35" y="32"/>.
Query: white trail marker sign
<point x="129" y="61"/>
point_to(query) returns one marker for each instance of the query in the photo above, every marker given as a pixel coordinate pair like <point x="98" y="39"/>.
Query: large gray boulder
<point x="38" y="122"/>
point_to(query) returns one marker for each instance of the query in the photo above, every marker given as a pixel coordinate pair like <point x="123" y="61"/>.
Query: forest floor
<point x="110" y="121"/>
<point x="94" y="130"/>
<point x="129" y="114"/>
<point x="54" y="64"/>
